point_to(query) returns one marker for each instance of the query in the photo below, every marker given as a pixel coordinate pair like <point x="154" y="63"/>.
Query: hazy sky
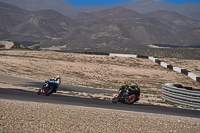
<point x="79" y="3"/>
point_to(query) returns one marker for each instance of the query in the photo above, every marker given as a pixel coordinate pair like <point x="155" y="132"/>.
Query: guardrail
<point x="181" y="95"/>
<point x="177" y="69"/>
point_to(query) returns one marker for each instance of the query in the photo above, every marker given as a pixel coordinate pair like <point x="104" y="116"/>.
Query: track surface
<point x="23" y="95"/>
<point x="37" y="83"/>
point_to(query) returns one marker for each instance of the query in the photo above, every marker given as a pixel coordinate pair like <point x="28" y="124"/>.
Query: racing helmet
<point x="58" y="77"/>
<point x="134" y="84"/>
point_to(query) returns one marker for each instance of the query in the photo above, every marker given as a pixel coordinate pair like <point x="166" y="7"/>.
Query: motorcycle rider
<point x="134" y="88"/>
<point x="57" y="81"/>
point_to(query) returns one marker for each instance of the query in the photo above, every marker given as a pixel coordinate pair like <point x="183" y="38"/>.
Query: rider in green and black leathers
<point x="134" y="88"/>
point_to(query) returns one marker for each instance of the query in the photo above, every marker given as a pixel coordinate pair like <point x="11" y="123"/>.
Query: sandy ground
<point x="97" y="71"/>
<point x="17" y="116"/>
<point x="8" y="44"/>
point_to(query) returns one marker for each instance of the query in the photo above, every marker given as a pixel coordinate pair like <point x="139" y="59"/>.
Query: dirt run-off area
<point x="23" y="117"/>
<point x="99" y="71"/>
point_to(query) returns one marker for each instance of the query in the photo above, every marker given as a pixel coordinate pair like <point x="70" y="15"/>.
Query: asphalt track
<point x="23" y="95"/>
<point x="36" y="83"/>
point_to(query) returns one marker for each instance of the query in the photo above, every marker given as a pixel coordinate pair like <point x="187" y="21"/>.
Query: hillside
<point x="36" y="5"/>
<point x="23" y="25"/>
<point x="186" y="37"/>
<point x="11" y="16"/>
<point x="173" y="19"/>
<point x="116" y="29"/>
<point x="136" y="27"/>
<point x="46" y="23"/>
<point x="142" y="6"/>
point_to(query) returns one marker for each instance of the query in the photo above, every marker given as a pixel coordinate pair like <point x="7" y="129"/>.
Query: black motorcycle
<point x="127" y="96"/>
<point x="48" y="88"/>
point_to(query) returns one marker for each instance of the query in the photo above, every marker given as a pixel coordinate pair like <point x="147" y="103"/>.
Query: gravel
<point x="18" y="116"/>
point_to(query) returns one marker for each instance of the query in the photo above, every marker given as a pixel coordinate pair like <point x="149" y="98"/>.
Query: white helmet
<point x="58" y="77"/>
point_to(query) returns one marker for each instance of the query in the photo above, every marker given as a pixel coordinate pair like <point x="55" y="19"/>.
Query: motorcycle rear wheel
<point x="132" y="100"/>
<point x="49" y="90"/>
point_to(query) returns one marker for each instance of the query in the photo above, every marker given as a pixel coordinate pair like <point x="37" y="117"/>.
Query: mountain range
<point x="141" y="6"/>
<point x="116" y="27"/>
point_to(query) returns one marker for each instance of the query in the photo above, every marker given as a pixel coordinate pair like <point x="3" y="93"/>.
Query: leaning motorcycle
<point x="125" y="96"/>
<point x="48" y="88"/>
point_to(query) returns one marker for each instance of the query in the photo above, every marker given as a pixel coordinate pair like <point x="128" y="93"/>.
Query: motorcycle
<point x="125" y="96"/>
<point x="48" y="88"/>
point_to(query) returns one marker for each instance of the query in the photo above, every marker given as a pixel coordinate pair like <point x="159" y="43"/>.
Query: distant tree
<point x="36" y="47"/>
<point x="16" y="44"/>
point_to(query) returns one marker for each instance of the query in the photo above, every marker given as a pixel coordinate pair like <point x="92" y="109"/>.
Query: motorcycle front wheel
<point x="115" y="99"/>
<point x="39" y="91"/>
